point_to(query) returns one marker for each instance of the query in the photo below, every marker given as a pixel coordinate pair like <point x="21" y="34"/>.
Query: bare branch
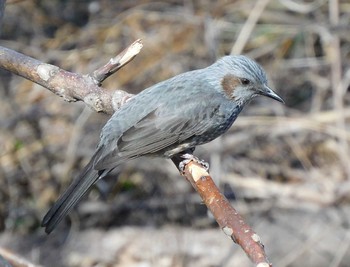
<point x="13" y="260"/>
<point x="71" y="86"/>
<point x="226" y="216"/>
<point x="248" y="26"/>
<point x="117" y="62"/>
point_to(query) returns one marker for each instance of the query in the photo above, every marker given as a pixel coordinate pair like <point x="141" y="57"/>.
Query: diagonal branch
<point x="77" y="87"/>
<point x="71" y="86"/>
<point x="11" y="259"/>
<point x="117" y="62"/>
<point x="225" y="215"/>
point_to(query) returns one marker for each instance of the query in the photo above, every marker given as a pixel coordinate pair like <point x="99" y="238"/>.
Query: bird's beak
<point x="266" y="91"/>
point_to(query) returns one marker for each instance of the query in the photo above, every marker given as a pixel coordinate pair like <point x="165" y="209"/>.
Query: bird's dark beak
<point x="266" y="91"/>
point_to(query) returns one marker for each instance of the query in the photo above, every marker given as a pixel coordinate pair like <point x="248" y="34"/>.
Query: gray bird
<point x="169" y="118"/>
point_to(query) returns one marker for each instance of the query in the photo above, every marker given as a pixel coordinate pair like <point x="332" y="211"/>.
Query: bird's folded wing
<point x="157" y="131"/>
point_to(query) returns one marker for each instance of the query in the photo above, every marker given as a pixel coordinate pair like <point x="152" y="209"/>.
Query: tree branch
<point x="225" y="215"/>
<point x="77" y="87"/>
<point x="117" y="62"/>
<point x="10" y="259"/>
<point x="72" y="86"/>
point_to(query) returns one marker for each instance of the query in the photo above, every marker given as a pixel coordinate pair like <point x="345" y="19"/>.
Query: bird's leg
<point x="187" y="158"/>
<point x="183" y="158"/>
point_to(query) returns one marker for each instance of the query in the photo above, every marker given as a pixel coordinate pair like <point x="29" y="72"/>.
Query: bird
<point x="167" y="119"/>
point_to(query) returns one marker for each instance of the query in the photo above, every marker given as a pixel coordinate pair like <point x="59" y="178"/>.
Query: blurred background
<point x="285" y="168"/>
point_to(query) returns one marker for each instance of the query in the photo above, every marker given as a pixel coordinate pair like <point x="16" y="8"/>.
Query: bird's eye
<point x="245" y="81"/>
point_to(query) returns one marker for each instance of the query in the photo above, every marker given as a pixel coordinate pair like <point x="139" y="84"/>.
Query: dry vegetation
<point x="285" y="168"/>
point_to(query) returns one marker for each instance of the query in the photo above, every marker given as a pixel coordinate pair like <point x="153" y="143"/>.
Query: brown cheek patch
<point x="229" y="83"/>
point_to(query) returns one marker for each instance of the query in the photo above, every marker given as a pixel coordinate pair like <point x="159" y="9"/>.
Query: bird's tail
<point x="71" y="196"/>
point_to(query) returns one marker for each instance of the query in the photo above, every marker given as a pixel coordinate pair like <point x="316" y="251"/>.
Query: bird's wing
<point x="159" y="129"/>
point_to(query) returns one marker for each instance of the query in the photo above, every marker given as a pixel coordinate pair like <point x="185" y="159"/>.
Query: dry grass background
<point x="285" y="168"/>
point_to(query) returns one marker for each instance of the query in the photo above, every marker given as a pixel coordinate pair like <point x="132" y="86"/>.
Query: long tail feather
<point x="71" y="197"/>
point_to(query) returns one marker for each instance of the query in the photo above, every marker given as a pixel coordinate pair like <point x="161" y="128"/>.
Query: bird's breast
<point x="221" y="122"/>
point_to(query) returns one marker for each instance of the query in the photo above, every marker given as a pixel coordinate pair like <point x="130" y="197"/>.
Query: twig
<point x="14" y="260"/>
<point x="303" y="8"/>
<point x="342" y="250"/>
<point x="117" y="62"/>
<point x="248" y="26"/>
<point x="315" y="234"/>
<point x="71" y="86"/>
<point x="337" y="86"/>
<point x="73" y="142"/>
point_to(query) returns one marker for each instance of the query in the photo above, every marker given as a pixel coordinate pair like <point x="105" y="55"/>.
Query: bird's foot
<point x="187" y="158"/>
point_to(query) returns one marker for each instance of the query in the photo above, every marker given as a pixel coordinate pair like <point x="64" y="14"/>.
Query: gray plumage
<point x="172" y="116"/>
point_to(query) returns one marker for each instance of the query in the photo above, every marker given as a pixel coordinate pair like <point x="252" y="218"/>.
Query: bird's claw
<point x="187" y="158"/>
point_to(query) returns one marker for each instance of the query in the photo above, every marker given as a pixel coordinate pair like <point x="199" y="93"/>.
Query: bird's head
<point x="242" y="79"/>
